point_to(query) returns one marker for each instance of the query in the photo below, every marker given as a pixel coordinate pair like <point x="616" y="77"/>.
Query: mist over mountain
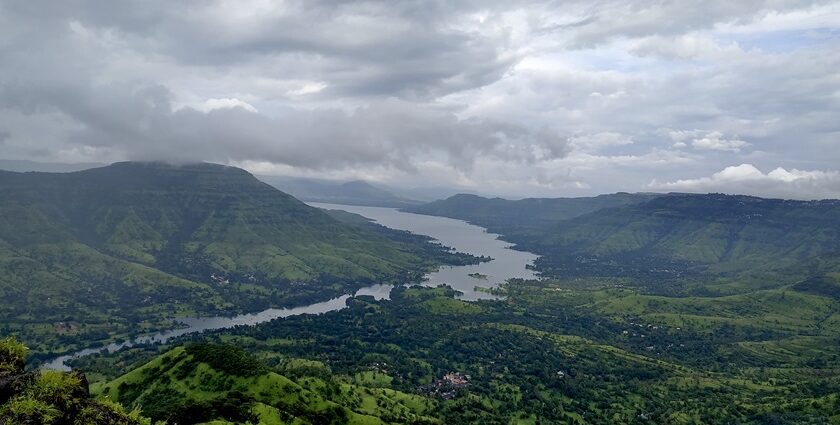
<point x="500" y="215"/>
<point x="355" y="192"/>
<point x="459" y="212"/>
<point x="23" y="166"/>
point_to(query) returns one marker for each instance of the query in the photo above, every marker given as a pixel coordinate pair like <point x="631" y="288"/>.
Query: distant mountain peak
<point x="354" y="192"/>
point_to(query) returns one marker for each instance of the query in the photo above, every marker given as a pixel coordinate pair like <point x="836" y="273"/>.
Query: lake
<point x="460" y="235"/>
<point x="507" y="263"/>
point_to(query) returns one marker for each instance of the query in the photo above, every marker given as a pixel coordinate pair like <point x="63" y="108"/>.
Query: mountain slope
<point x="51" y="397"/>
<point x="522" y="216"/>
<point x="718" y="235"/>
<point x="115" y="245"/>
<point x="550" y="352"/>
<point x="211" y="382"/>
<point x="348" y="193"/>
<point x="665" y="241"/>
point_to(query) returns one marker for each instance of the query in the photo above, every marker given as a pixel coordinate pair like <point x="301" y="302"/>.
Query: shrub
<point x="26" y="411"/>
<point x="226" y="358"/>
<point x="12" y="355"/>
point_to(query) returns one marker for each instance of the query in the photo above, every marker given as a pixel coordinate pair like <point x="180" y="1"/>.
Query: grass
<point x="361" y="399"/>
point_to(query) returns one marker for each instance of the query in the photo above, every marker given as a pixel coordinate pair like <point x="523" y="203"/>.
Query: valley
<point x="94" y="256"/>
<point x="671" y="308"/>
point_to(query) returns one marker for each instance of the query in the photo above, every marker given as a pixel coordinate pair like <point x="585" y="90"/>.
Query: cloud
<point x="715" y="141"/>
<point x="686" y="46"/>
<point x="602" y="22"/>
<point x="536" y="97"/>
<point x="599" y="141"/>
<point x="358" y="49"/>
<point x="226" y="103"/>
<point x="747" y="179"/>
<point x="141" y="123"/>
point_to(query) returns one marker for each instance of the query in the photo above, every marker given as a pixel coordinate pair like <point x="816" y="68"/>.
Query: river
<point x="460" y="235"/>
<point x="464" y="237"/>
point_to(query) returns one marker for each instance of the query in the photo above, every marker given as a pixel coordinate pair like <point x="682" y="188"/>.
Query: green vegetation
<point x="51" y="397"/>
<point x="531" y="215"/>
<point x="711" y="239"/>
<point x="91" y="256"/>
<point x="197" y="384"/>
<point x="555" y="352"/>
<point x="672" y="309"/>
<point x="674" y="244"/>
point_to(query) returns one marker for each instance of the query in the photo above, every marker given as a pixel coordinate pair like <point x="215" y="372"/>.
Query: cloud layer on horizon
<point x="746" y="178"/>
<point x="529" y="98"/>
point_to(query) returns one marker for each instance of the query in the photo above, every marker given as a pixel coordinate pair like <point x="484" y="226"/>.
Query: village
<point x="448" y="386"/>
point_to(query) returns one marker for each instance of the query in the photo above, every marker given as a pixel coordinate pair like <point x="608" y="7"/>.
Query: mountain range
<point x="107" y="247"/>
<point x="677" y="238"/>
<point x="355" y="192"/>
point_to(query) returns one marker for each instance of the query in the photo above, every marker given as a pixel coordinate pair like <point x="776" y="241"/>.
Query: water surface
<point x="460" y="235"/>
<point x="464" y="237"/>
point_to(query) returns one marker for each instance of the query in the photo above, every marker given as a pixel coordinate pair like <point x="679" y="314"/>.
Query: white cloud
<point x="747" y="179"/>
<point x="715" y="141"/>
<point x="224" y="103"/>
<point x="708" y="141"/>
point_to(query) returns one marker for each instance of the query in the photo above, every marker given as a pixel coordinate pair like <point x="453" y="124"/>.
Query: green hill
<point x="551" y="352"/>
<point x="666" y="241"/>
<point x="701" y="236"/>
<point x="90" y="254"/>
<point x="219" y="383"/>
<point x="50" y="397"/>
<point x="530" y="215"/>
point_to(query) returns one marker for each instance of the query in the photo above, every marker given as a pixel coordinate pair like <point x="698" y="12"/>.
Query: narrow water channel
<point x="457" y="234"/>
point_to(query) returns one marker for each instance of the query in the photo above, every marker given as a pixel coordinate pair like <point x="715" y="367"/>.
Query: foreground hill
<point x="551" y="352"/>
<point x="346" y="193"/>
<point x="200" y="383"/>
<point x="51" y="397"/>
<point x="89" y="253"/>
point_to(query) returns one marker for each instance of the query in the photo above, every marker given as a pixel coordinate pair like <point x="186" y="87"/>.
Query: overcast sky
<point x="511" y="98"/>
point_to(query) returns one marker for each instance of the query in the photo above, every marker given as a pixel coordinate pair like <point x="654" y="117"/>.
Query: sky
<point x="508" y="98"/>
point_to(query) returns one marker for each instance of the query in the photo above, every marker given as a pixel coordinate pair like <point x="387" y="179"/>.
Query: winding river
<point x="460" y="235"/>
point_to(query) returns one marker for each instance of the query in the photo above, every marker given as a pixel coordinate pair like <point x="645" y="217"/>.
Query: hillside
<point x="766" y="242"/>
<point x="355" y="192"/>
<point x="203" y="382"/>
<point x="552" y="352"/>
<point x="51" y="397"/>
<point x="522" y="216"/>
<point x="668" y="242"/>
<point x="89" y="254"/>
